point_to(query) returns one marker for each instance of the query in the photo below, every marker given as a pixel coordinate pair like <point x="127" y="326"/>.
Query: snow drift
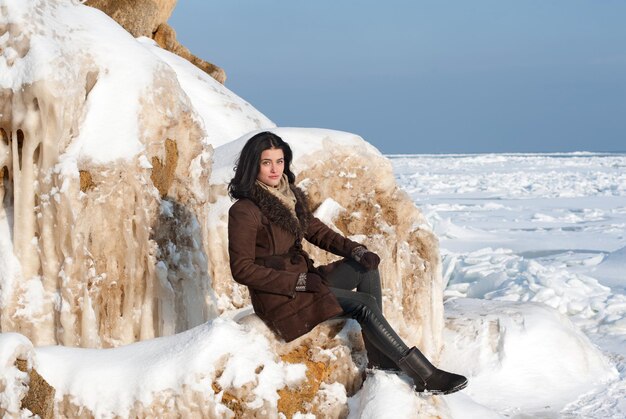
<point x="525" y="349"/>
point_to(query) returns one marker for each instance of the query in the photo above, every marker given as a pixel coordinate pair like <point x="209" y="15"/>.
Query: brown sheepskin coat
<point x="265" y="248"/>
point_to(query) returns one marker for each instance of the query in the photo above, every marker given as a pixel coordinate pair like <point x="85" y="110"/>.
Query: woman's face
<point x="271" y="166"/>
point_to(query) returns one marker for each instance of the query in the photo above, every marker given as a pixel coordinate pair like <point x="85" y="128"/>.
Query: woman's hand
<point x="369" y="260"/>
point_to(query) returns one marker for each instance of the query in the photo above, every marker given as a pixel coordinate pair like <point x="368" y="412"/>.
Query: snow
<point x="13" y="346"/>
<point x="533" y="258"/>
<point x="384" y="395"/>
<point x="110" y="381"/>
<point x="304" y="142"/>
<point x="612" y="270"/>
<point x="526" y="349"/>
<point x="328" y="211"/>
<point x="225" y="115"/>
<point x="124" y="71"/>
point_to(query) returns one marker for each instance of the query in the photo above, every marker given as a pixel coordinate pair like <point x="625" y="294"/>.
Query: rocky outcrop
<point x="362" y="201"/>
<point x="165" y="36"/>
<point x="139" y="17"/>
<point x="149" y="18"/>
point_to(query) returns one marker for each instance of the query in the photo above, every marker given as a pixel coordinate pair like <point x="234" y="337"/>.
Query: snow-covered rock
<point x="218" y="369"/>
<point x="149" y="18"/>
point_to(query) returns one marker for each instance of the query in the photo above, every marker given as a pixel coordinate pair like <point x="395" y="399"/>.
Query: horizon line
<point x="508" y="153"/>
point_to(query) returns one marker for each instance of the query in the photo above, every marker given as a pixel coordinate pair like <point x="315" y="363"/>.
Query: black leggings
<point x="365" y="306"/>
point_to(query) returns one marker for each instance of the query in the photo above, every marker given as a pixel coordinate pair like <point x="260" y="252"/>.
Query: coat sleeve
<point x="242" y="232"/>
<point x="326" y="238"/>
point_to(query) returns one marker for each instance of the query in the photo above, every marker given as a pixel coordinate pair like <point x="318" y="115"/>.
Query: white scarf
<point x="283" y="192"/>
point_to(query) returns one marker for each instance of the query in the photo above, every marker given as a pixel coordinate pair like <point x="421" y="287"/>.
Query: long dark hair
<point x="248" y="163"/>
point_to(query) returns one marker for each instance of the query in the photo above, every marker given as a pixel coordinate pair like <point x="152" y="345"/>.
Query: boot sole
<point x="434" y="392"/>
<point x="450" y="391"/>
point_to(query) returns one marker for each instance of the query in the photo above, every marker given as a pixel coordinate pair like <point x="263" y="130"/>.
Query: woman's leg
<point x="377" y="331"/>
<point x="350" y="275"/>
<point x="363" y="308"/>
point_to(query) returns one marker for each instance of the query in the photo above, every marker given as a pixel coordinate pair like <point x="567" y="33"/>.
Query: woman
<point x="265" y="230"/>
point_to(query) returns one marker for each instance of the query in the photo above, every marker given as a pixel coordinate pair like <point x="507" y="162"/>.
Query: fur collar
<point x="277" y="213"/>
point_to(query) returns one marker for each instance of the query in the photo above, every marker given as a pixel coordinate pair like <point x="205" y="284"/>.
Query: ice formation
<point x="99" y="143"/>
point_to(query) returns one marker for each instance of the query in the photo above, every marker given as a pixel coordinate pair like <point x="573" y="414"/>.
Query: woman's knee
<point x="373" y="275"/>
<point x="365" y="305"/>
<point x="370" y="282"/>
<point x="370" y="301"/>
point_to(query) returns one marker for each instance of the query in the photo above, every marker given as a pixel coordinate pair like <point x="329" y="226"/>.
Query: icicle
<point x="82" y="230"/>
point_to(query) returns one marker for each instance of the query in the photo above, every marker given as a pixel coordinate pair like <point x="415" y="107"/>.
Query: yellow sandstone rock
<point x="40" y="396"/>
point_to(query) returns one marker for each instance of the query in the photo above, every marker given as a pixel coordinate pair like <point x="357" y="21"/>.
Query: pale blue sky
<point x="426" y="76"/>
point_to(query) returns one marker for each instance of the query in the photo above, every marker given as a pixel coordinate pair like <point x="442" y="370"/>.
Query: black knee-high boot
<point x="379" y="333"/>
<point x="377" y="359"/>
<point x="427" y="377"/>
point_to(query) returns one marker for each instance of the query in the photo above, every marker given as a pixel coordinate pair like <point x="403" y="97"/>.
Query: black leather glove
<point x="309" y="282"/>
